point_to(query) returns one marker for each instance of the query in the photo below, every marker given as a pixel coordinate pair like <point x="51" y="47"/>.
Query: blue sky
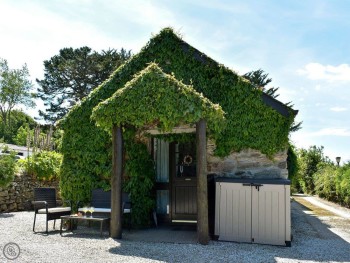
<point x="303" y="45"/>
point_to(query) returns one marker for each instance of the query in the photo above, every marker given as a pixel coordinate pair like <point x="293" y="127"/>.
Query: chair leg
<point x="155" y="217"/>
<point x="47" y="225"/>
<point x="129" y="227"/>
<point x="34" y="222"/>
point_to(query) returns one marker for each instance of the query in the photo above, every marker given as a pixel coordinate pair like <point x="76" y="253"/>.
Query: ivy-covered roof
<point x="250" y="122"/>
<point x="156" y="99"/>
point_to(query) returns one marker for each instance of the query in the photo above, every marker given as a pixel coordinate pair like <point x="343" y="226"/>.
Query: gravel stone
<point x="315" y="239"/>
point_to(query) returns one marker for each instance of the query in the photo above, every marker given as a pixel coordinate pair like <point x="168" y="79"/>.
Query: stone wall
<point x="19" y="194"/>
<point x="247" y="164"/>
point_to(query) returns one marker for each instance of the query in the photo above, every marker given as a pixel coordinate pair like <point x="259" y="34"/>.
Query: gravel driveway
<point x="324" y="237"/>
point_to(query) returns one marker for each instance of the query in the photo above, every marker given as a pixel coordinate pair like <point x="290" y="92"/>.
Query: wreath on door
<point x="187" y="159"/>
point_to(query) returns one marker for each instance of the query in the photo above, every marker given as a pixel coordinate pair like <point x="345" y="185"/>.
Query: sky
<point x="303" y="45"/>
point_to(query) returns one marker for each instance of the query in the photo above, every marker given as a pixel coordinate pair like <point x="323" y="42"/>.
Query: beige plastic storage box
<point x="253" y="211"/>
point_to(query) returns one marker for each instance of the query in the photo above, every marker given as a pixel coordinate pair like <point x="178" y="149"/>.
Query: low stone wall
<point x="247" y="164"/>
<point x="20" y="193"/>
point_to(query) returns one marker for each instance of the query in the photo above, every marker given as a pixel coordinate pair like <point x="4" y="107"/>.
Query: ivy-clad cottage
<point x="163" y="127"/>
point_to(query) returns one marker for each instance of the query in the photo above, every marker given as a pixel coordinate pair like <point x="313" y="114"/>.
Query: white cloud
<point x="338" y="109"/>
<point x="332" y="132"/>
<point x="317" y="71"/>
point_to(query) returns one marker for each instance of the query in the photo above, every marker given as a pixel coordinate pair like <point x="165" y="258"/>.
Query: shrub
<point x="7" y="168"/>
<point x="325" y="182"/>
<point x="43" y="165"/>
<point x="333" y="183"/>
<point x="343" y="185"/>
<point x="309" y="162"/>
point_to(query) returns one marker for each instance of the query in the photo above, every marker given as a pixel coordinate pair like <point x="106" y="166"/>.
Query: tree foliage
<point x="72" y="74"/>
<point x="309" y="162"/>
<point x="333" y="183"/>
<point x="260" y="79"/>
<point x="18" y="119"/>
<point x="15" y="89"/>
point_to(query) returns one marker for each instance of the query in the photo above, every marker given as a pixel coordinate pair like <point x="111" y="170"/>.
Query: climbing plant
<point x="250" y="123"/>
<point x="154" y="98"/>
<point x="139" y="179"/>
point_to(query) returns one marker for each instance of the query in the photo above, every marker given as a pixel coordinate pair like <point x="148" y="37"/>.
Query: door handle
<point x="257" y="186"/>
<point x="247" y="184"/>
<point x="187" y="179"/>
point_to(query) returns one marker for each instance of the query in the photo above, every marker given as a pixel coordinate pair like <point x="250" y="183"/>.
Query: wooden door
<point x="184" y="183"/>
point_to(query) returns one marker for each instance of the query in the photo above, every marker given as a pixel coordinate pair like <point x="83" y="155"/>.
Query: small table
<point x="84" y="218"/>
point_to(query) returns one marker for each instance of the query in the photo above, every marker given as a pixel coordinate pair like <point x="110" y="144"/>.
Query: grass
<point x="318" y="211"/>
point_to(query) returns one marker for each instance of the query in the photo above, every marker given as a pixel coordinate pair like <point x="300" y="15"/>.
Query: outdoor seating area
<point x="45" y="203"/>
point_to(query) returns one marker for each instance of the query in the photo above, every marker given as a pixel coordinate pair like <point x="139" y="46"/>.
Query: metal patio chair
<point x="45" y="203"/>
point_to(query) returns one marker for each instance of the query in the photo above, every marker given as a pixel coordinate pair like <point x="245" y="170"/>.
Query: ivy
<point x="250" y="123"/>
<point x="153" y="98"/>
<point x="178" y="137"/>
<point x="139" y="179"/>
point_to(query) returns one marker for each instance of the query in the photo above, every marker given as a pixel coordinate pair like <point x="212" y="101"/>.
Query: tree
<point x="72" y="74"/>
<point x="17" y="119"/>
<point x="15" y="89"/>
<point x="260" y="79"/>
<point x="309" y="162"/>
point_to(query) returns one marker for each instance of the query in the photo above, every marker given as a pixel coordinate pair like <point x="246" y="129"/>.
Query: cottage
<point x="165" y="123"/>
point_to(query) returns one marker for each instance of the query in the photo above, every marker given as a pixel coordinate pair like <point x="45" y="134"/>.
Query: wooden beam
<point x="202" y="190"/>
<point x="116" y="183"/>
<point x="176" y="130"/>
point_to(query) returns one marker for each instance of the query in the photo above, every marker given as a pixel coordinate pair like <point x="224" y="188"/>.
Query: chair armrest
<point x="41" y="204"/>
<point x="126" y="205"/>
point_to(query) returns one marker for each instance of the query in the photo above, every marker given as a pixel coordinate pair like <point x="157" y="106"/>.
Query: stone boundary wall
<point x="20" y="193"/>
<point x="247" y="164"/>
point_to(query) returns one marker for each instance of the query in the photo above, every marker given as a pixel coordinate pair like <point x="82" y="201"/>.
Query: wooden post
<point x="202" y="190"/>
<point x="116" y="183"/>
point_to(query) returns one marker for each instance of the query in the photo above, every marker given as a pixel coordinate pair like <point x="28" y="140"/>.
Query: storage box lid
<point x="280" y="181"/>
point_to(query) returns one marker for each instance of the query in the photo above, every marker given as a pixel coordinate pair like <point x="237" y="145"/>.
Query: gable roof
<point x="250" y="119"/>
<point x="154" y="98"/>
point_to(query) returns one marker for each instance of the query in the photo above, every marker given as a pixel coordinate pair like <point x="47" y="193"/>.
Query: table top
<point x="91" y="218"/>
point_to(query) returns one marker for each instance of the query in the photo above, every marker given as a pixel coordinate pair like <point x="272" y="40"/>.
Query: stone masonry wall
<point x="247" y="164"/>
<point x="20" y="193"/>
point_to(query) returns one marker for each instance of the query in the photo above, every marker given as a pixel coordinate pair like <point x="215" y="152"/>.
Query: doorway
<point x="183" y="182"/>
<point x="176" y="181"/>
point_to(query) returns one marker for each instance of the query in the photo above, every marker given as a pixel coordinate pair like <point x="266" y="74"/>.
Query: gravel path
<point x="316" y="239"/>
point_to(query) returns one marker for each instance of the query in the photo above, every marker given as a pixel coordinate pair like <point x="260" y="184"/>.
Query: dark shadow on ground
<point x="312" y="240"/>
<point x="5" y="215"/>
